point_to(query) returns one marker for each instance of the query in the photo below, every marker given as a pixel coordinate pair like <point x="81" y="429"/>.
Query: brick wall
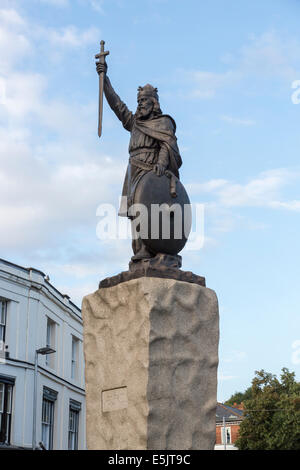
<point x="234" y="428"/>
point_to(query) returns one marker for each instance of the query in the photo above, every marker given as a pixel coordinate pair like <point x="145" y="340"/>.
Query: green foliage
<point x="239" y="397"/>
<point x="272" y="413"/>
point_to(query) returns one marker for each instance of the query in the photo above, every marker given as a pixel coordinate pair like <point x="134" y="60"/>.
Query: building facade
<point x="42" y="396"/>
<point x="228" y="421"/>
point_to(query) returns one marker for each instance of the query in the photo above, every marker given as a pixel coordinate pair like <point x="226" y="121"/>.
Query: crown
<point x="147" y="90"/>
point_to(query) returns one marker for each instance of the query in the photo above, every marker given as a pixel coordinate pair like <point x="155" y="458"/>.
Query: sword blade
<point x="101" y="58"/>
<point x="100" y="111"/>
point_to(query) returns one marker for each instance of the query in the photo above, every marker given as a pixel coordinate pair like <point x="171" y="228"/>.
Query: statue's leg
<point x="141" y="252"/>
<point x="138" y="247"/>
<point x="135" y="246"/>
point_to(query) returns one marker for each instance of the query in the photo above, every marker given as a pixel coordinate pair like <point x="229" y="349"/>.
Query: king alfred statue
<point x="152" y="174"/>
<point x="150" y="333"/>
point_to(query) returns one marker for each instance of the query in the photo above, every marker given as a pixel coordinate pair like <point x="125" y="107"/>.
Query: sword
<point x="101" y="57"/>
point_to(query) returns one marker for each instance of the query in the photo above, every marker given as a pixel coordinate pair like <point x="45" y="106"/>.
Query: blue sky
<point x="224" y="71"/>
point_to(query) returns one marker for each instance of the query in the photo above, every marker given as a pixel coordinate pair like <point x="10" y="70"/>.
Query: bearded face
<point x="144" y="108"/>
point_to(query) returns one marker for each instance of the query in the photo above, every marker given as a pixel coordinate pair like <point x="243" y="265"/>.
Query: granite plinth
<point x="151" y="356"/>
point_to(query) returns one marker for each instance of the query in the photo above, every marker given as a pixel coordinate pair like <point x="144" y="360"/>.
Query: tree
<point x="239" y="397"/>
<point x="272" y="413"/>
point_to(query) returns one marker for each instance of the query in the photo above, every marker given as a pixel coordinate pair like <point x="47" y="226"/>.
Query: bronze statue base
<point x="162" y="266"/>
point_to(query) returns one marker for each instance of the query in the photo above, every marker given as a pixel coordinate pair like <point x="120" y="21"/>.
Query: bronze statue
<point x="152" y="174"/>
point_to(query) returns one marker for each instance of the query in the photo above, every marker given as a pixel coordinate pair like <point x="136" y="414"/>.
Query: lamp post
<point x="224" y="432"/>
<point x="41" y="351"/>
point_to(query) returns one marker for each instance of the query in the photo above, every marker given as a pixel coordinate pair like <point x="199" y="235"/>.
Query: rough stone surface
<point x="151" y="355"/>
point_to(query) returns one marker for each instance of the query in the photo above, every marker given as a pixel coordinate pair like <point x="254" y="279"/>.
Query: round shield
<point x="161" y="218"/>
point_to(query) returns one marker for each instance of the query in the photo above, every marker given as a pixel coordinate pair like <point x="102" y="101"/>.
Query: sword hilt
<point x="101" y="56"/>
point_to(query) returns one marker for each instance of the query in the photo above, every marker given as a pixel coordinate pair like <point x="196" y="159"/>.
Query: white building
<point x="34" y="315"/>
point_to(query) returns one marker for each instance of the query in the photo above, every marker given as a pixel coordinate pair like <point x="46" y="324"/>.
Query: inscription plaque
<point x="114" y="399"/>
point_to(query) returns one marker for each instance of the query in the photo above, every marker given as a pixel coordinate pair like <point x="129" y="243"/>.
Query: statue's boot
<point x="142" y="253"/>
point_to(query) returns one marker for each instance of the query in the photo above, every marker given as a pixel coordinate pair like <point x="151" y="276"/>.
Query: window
<point x="74" y="411"/>
<point x="74" y="360"/>
<point x="227" y="434"/>
<point x="3" y="311"/>
<point x="50" y="342"/>
<point x="6" y="391"/>
<point x="49" y="397"/>
<point x="47" y="423"/>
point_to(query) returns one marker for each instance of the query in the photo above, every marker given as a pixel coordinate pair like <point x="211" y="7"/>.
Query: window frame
<point x="73" y="433"/>
<point x="74" y="358"/>
<point x="50" y="341"/>
<point x="47" y="425"/>
<point x="6" y="408"/>
<point x="3" y="325"/>
<point x="49" y="399"/>
<point x="227" y="430"/>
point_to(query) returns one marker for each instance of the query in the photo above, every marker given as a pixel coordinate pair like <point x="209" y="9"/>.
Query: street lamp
<point x="41" y="351"/>
<point x="224" y="432"/>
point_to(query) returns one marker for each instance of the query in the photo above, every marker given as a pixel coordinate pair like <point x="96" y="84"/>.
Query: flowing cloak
<point x="152" y="141"/>
<point x="162" y="128"/>
<point x="160" y="131"/>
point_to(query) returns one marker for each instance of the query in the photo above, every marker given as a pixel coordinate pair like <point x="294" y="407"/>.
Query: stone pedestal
<point x="151" y="356"/>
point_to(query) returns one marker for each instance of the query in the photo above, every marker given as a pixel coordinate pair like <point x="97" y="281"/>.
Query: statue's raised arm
<point x="114" y="101"/>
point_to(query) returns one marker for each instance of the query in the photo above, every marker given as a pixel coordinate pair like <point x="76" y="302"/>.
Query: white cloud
<point x="269" y="55"/>
<point x="56" y="3"/>
<point x="235" y="356"/>
<point x="80" y="271"/>
<point x="86" y="267"/>
<point x="22" y="93"/>
<point x="265" y="57"/>
<point x="11" y="17"/>
<point x="18" y="38"/>
<point x="40" y="200"/>
<point x="223" y="377"/>
<point x="47" y="186"/>
<point x="208" y="186"/>
<point x="97" y="5"/>
<point x="263" y="190"/>
<point x="70" y="121"/>
<point x="224" y="200"/>
<point x="207" y="83"/>
<point x="238" y="121"/>
<point x="71" y="36"/>
<point x="14" y="43"/>
<point x="76" y="293"/>
<point x="289" y="205"/>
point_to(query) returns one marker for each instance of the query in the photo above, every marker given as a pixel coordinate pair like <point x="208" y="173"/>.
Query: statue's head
<point x="148" y="102"/>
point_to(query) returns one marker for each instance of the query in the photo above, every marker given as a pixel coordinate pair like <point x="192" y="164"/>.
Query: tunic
<point x="152" y="141"/>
